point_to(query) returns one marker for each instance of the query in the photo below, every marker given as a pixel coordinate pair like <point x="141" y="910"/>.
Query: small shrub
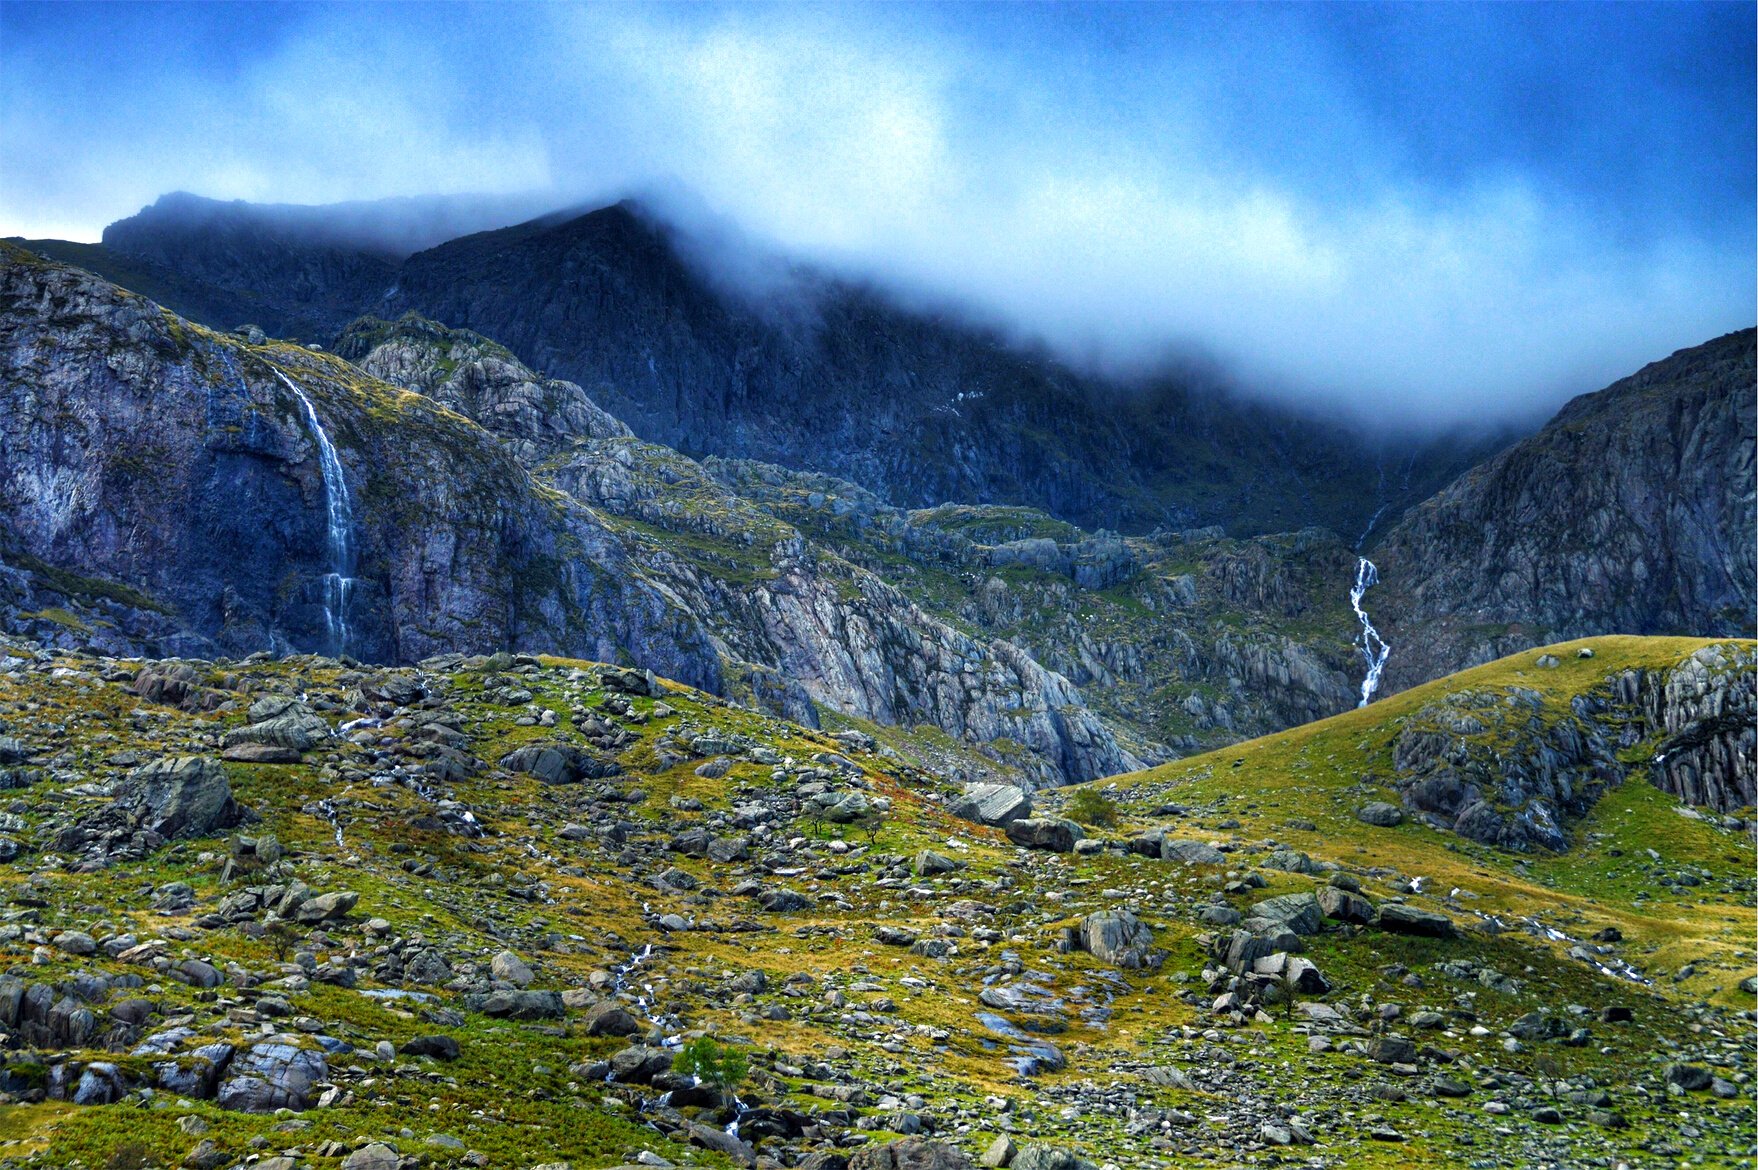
<point x="1089" y="806"/>
<point x="721" y="1067"/>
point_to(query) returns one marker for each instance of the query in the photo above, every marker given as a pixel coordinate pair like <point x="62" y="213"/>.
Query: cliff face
<point x="1630" y="512"/>
<point x="180" y="466"/>
<point x="183" y="471"/>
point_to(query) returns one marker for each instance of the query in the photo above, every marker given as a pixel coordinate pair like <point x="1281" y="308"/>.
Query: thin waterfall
<point x="1374" y="649"/>
<point x="339" y="581"/>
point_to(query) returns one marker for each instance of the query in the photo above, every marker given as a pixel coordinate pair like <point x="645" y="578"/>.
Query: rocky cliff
<point x="181" y="477"/>
<point x="1632" y="511"/>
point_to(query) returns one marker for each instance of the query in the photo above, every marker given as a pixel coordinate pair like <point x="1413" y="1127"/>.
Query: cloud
<point x="1349" y="211"/>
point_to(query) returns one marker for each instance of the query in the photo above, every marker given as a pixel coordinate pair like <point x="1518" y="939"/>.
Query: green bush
<point x="712" y="1064"/>
<point x="1089" y="806"/>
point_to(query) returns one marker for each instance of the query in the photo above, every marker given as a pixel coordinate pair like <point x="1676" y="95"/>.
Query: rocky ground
<point x="303" y="913"/>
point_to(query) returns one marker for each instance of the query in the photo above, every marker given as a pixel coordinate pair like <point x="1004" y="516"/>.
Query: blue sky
<point x="1430" y="212"/>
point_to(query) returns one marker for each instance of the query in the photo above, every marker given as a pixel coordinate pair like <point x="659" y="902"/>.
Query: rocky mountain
<point x="513" y="911"/>
<point x="1632" y="511"/>
<point x="921" y="408"/>
<point x="223" y="494"/>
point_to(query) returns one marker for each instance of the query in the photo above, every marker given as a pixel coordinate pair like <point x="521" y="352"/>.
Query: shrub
<point x="721" y="1067"/>
<point x="1089" y="806"/>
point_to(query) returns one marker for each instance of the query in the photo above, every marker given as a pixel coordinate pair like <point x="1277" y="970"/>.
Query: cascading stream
<point x="339" y="581"/>
<point x="1374" y="649"/>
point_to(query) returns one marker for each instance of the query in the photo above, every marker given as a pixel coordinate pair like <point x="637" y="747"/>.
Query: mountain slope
<point x="470" y="913"/>
<point x="178" y="479"/>
<point x="1632" y="511"/>
<point x="919" y="407"/>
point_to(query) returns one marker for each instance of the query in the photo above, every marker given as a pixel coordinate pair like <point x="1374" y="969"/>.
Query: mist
<point x="1419" y="217"/>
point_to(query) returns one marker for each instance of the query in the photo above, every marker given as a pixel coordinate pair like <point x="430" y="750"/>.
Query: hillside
<point x="465" y="913"/>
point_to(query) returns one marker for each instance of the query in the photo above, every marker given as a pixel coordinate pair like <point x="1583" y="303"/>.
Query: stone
<point x="1689" y="1077"/>
<point x="560" y="763"/>
<point x="272" y="1074"/>
<point x="1380" y="814"/>
<point x="999" y="1153"/>
<point x="1191" y="852"/>
<point x="326" y="907"/>
<point x="260" y="753"/>
<point x="1057" y="834"/>
<point x="437" y="1046"/>
<point x="510" y="968"/>
<point x="1402" y="919"/>
<point x="1344" y="906"/>
<point x="992" y="804"/>
<point x="1119" y="938"/>
<point x="374" y="1156"/>
<point x="610" y="1019"/>
<point x="911" y="1153"/>
<point x="1299" y="913"/>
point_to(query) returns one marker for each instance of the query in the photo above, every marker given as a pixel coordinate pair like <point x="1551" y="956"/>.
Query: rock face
<point x="276" y="1073"/>
<point x="1120" y="938"/>
<point x="181" y="463"/>
<point x="1501" y="767"/>
<point x="1631" y="512"/>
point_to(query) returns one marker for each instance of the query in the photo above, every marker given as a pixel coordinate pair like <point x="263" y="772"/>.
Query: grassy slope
<point x="512" y="1097"/>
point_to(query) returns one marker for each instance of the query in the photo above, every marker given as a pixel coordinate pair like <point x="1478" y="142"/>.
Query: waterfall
<point x="339" y="581"/>
<point x="1374" y="649"/>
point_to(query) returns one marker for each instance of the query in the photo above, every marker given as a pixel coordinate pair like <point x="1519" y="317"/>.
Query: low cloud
<point x="1127" y="206"/>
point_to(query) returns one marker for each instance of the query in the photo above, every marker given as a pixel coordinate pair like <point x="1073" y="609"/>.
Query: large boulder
<point x="1120" y="938"/>
<point x="279" y="721"/>
<point x="1053" y="833"/>
<point x="184" y="796"/>
<point x="910" y="1154"/>
<point x="274" y="1073"/>
<point x="560" y="763"/>
<point x="1300" y="913"/>
<point x="1401" y="919"/>
<point x="1190" y="852"/>
<point x="992" y="804"/>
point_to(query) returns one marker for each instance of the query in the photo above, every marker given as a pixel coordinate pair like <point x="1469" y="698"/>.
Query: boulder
<point x="1299" y="913"/>
<point x="911" y="1153"/>
<point x="1401" y="919"/>
<point x="275" y="1073"/>
<point x="1380" y="813"/>
<point x="438" y="1047"/>
<point x="1056" y="834"/>
<point x="1191" y="852"/>
<point x="992" y="804"/>
<point x="1120" y="938"/>
<point x="560" y="763"/>
<point x="1345" y="906"/>
<point x="181" y="796"/>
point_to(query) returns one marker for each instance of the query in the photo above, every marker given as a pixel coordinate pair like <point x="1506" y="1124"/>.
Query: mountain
<point x="824" y="375"/>
<point x="219" y="495"/>
<point x="512" y="911"/>
<point x="1632" y="511"/>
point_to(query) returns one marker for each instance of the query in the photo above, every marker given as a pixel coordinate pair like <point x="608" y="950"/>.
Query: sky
<point x="1422" y="214"/>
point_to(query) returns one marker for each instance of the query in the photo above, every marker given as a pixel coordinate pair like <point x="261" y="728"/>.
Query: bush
<point x="710" y="1063"/>
<point x="1089" y="806"/>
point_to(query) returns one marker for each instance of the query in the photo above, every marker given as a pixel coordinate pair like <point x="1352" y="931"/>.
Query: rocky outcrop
<point x="1504" y="767"/>
<point x="1631" y="512"/>
<point x="463" y="371"/>
<point x="1705" y="713"/>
